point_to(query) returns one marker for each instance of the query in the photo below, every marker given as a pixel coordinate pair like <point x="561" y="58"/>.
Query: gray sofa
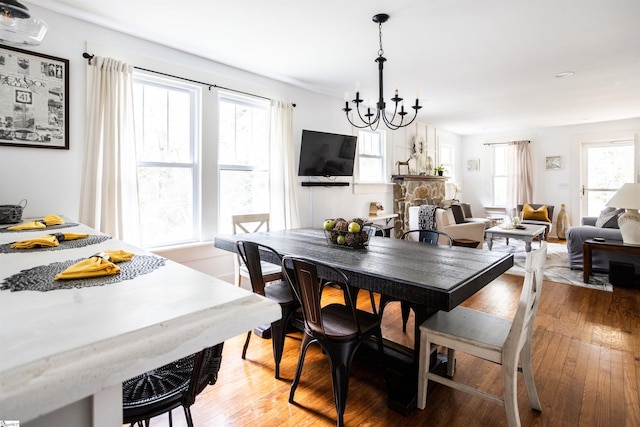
<point x="576" y="237"/>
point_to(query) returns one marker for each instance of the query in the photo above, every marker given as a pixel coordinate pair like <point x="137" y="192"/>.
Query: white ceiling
<point x="480" y="65"/>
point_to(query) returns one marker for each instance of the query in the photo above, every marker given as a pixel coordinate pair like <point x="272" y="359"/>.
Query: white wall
<point x="552" y="187"/>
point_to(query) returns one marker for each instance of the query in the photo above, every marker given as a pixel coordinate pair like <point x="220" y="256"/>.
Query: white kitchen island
<point x="65" y="352"/>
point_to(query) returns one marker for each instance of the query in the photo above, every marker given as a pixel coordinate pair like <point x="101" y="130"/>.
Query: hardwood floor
<point x="586" y="365"/>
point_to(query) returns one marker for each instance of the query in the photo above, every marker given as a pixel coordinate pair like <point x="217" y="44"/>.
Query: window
<point x="243" y="157"/>
<point x="167" y="168"/>
<point x="499" y="190"/>
<point x="446" y="156"/>
<point x="371" y="157"/>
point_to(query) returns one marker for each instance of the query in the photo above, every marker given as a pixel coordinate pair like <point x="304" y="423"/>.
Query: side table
<point x="608" y="245"/>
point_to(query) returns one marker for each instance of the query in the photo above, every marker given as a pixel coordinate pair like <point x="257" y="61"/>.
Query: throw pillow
<point x="540" y="214"/>
<point x="608" y="218"/>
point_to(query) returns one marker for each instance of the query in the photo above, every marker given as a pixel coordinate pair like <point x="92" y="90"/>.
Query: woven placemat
<point x="42" y="278"/>
<point x="49" y="227"/>
<point x="65" y="244"/>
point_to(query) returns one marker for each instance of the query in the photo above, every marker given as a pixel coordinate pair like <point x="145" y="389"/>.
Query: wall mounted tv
<point x="326" y="154"/>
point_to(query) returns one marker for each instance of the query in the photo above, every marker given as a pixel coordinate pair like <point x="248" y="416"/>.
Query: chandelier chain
<point x="381" y="50"/>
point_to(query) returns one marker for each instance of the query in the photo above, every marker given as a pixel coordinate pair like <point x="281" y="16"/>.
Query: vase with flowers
<point x="440" y="169"/>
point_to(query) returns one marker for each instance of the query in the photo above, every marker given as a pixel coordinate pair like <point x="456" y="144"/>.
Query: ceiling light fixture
<point x="18" y="27"/>
<point x="372" y="120"/>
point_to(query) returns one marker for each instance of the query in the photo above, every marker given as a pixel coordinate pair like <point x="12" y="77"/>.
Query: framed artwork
<point x="553" y="162"/>
<point x="473" y="165"/>
<point x="34" y="99"/>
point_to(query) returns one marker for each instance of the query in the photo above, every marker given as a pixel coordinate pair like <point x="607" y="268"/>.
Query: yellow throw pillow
<point x="539" y="214"/>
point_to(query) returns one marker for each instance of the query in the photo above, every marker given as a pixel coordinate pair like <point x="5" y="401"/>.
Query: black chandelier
<point x="372" y="119"/>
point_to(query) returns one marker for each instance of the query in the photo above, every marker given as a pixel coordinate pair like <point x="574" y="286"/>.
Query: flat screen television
<point x="326" y="154"/>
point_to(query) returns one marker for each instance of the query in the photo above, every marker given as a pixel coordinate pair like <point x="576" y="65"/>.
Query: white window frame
<point x="364" y="134"/>
<point x="254" y="102"/>
<point x="494" y="175"/>
<point x="194" y="162"/>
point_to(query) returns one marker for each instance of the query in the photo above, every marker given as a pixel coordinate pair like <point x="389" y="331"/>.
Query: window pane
<point x="243" y="135"/>
<point x="371" y="159"/>
<point x="165" y="195"/>
<point x="242" y="192"/>
<point x="163" y="123"/>
<point x="500" y="160"/>
<point x="500" y="191"/>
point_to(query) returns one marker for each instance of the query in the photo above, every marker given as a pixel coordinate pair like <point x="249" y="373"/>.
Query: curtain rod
<point x="89" y="57"/>
<point x="504" y="143"/>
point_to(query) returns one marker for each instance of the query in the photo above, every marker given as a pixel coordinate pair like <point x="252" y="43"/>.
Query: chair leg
<point x="246" y="345"/>
<point x="187" y="415"/>
<point x="510" y="390"/>
<point x="277" y="342"/>
<point x="306" y="341"/>
<point x="423" y="369"/>
<point x="527" y="372"/>
<point x="340" y="361"/>
<point x="405" y="308"/>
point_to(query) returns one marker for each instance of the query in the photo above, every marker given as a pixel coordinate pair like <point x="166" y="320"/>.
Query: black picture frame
<point x="34" y="99"/>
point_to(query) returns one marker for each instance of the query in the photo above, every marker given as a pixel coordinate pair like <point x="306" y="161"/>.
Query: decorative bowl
<point x="358" y="240"/>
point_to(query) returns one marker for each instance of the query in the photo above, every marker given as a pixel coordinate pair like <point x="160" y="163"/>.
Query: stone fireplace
<point x="414" y="190"/>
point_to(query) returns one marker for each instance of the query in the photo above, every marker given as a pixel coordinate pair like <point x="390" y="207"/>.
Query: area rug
<point x="557" y="265"/>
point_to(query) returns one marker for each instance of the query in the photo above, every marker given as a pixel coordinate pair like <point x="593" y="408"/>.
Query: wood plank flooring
<point x="586" y="365"/>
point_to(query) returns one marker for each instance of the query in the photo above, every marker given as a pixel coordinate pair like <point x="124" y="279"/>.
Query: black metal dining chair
<point x="431" y="237"/>
<point x="278" y="291"/>
<point x="178" y="383"/>
<point x="339" y="329"/>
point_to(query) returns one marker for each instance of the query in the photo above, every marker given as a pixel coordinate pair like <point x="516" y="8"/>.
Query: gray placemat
<point x="65" y="244"/>
<point x="42" y="278"/>
<point x="49" y="227"/>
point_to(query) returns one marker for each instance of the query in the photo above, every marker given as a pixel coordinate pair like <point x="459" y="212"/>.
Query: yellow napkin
<point x="101" y="264"/>
<point x="53" y="220"/>
<point x="34" y="225"/>
<point x="48" y="241"/>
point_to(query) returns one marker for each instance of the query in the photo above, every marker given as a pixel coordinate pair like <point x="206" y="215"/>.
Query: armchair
<point x="445" y="223"/>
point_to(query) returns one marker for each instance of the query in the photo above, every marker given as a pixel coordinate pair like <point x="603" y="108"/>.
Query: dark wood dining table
<point x="429" y="277"/>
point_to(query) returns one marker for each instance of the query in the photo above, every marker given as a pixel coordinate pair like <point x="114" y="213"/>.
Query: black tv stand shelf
<point x="325" y="184"/>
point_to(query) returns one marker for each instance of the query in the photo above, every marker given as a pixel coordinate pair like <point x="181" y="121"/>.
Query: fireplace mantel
<point x="419" y="178"/>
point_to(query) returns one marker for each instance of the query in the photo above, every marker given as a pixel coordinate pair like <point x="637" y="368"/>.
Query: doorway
<point x="606" y="166"/>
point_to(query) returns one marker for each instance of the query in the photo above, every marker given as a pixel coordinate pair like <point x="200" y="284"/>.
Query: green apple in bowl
<point x="340" y="240"/>
<point x="354" y="227"/>
<point x="329" y="224"/>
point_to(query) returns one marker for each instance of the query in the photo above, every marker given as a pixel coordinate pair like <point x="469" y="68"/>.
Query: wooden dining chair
<point x="253" y="223"/>
<point x="489" y="337"/>
<point x="278" y="291"/>
<point x="431" y="237"/>
<point x="178" y="383"/>
<point x="339" y="329"/>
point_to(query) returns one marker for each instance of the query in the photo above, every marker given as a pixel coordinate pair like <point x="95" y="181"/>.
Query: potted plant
<point x="440" y="169"/>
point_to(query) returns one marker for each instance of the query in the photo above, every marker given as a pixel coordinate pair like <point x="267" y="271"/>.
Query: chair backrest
<point x="158" y="391"/>
<point x="522" y="326"/>
<point x="466" y="209"/>
<point x="249" y="252"/>
<point x="250" y="223"/>
<point x="302" y="275"/>
<point x="458" y="213"/>
<point x="431" y="237"/>
<point x="205" y="372"/>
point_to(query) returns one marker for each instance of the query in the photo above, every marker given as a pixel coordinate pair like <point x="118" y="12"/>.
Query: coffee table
<point x="524" y="232"/>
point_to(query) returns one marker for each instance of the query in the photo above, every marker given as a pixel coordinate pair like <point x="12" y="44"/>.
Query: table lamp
<point x="628" y="198"/>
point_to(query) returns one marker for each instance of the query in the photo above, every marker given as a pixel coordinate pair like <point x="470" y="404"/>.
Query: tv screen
<point x="326" y="154"/>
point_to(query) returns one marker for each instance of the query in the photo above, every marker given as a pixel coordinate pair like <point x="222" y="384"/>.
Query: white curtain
<point x="519" y="175"/>
<point x="284" y="205"/>
<point x="109" y="193"/>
